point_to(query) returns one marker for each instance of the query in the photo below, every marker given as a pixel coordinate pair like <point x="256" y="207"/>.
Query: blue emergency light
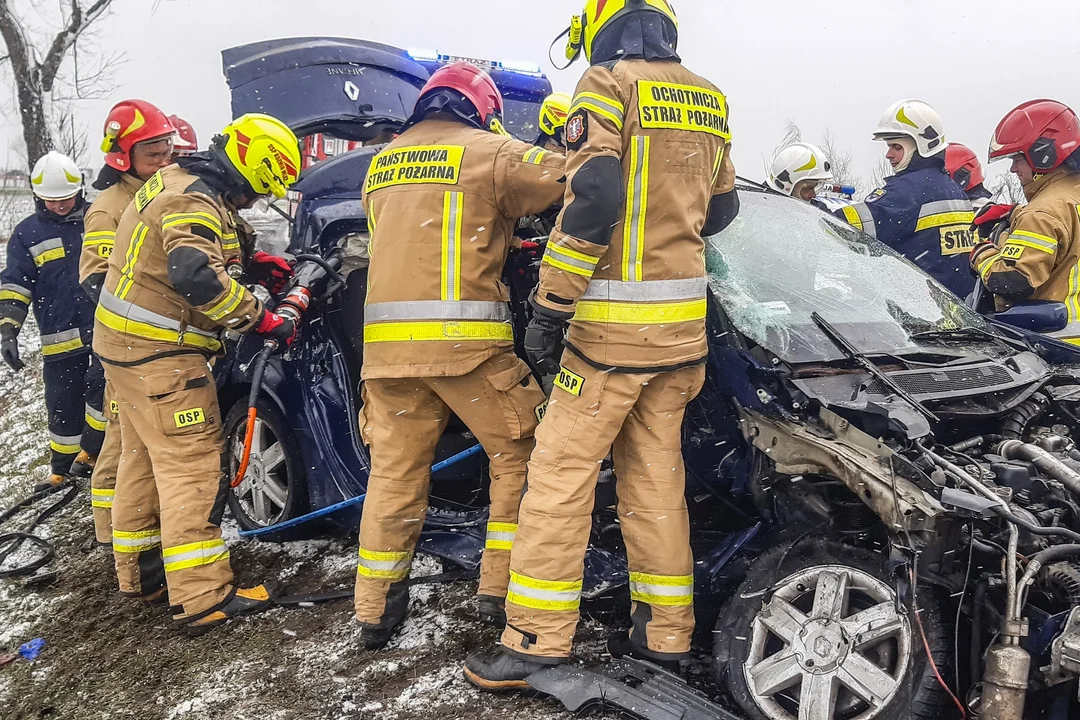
<point x="514" y="66"/>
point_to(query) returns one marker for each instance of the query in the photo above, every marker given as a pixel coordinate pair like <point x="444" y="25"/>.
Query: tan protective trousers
<point x="168" y="502"/>
<point x="402" y="421"/>
<point x="103" y="481"/>
<point x="639" y="417"/>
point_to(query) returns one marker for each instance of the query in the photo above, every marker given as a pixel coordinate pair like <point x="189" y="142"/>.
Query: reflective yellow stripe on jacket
<point x="127" y="272"/>
<point x="130" y="319"/>
<point x="646" y="302"/>
<point x="637" y="202"/>
<point x="609" y="108"/>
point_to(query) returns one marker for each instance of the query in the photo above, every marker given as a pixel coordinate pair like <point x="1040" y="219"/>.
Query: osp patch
<point x="570" y="382"/>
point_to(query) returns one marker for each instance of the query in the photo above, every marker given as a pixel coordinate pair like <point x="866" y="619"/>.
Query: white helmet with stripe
<point x="56" y="177"/>
<point x="916" y="120"/>
<point x="798" y="162"/>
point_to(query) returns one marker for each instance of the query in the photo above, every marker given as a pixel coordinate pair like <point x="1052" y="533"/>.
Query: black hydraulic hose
<point x="10" y="542"/>
<point x="1034" y="529"/>
<point x="1052" y="555"/>
<point x="978" y="599"/>
<point x="1016" y="450"/>
<point x="258" y="369"/>
<point x="1017" y="421"/>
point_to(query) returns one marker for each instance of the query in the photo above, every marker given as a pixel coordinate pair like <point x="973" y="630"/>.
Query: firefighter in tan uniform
<point x="138" y="143"/>
<point x="1038" y="259"/>
<point x="649" y="173"/>
<point x="170" y="290"/>
<point x="443" y="200"/>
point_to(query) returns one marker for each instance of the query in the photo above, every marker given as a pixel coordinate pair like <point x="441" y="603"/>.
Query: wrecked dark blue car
<point x="863" y="454"/>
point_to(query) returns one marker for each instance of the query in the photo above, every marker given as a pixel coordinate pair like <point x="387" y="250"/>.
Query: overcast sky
<point x="825" y="65"/>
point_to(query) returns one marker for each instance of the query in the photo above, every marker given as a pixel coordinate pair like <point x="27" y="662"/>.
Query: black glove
<point x="9" y="347"/>
<point x="543" y="339"/>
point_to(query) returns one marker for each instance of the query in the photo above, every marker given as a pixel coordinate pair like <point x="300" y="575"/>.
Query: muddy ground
<point x="111" y="657"/>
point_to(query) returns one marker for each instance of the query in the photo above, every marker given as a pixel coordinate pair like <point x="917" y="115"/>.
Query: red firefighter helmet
<point x="477" y="87"/>
<point x="963" y="166"/>
<point x="1045" y="132"/>
<point x="131" y="122"/>
<point x="185" y="142"/>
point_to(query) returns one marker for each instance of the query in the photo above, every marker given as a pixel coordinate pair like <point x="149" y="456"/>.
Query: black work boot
<point x="620" y="645"/>
<point x="503" y="669"/>
<point x="376" y="636"/>
<point x="83" y="465"/>
<point x="491" y="609"/>
<point x="239" y="601"/>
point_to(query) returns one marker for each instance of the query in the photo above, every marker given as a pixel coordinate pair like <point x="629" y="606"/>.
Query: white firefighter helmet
<point x="916" y="120"/>
<point x="56" y="177"/>
<point x="798" y="162"/>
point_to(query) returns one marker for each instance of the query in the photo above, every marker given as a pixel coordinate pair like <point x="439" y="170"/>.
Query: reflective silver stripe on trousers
<point x="386" y="565"/>
<point x="537" y="594"/>
<point x="17" y="288"/>
<point x="135" y="313"/>
<point x="65" y="439"/>
<point x="60" y="337"/>
<point x="944" y="206"/>
<point x="641" y="145"/>
<point x="136" y="542"/>
<point x="647" y="290"/>
<point x="662" y="590"/>
<point x="45" y="246"/>
<point x="437" y="310"/>
<point x="204" y="553"/>
<point x="96" y="414"/>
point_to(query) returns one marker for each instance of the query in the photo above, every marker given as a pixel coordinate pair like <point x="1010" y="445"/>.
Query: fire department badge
<point x="576" y="130"/>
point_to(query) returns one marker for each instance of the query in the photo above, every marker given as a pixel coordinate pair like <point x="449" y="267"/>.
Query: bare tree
<point x="35" y="77"/>
<point x="1007" y="189"/>
<point x="842" y="171"/>
<point x="881" y="171"/>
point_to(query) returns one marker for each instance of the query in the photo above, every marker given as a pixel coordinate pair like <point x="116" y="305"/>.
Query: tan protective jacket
<point x="1040" y="257"/>
<point x="640" y="299"/>
<point x="100" y="224"/>
<point x="176" y="222"/>
<point x="442" y="202"/>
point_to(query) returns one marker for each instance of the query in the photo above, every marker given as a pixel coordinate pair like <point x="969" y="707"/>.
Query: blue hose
<point x="359" y="500"/>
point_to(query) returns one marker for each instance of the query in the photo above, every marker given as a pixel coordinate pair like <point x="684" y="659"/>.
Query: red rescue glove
<point x="992" y="213"/>
<point x="270" y="271"/>
<point x="279" y="328"/>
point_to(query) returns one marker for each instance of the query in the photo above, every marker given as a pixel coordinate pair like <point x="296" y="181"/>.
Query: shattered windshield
<point x="522" y="118"/>
<point x="781" y="260"/>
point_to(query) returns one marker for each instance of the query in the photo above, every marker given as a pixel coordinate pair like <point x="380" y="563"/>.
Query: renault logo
<point x="352" y="91"/>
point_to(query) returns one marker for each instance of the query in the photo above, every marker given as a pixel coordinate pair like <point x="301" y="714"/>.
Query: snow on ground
<point x="113" y="658"/>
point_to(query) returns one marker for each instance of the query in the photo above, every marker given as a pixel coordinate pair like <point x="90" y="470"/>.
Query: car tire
<point x="275" y="486"/>
<point x="787" y="627"/>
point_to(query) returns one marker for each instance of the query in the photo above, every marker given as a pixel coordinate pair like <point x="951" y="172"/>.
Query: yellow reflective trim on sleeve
<point x="13" y="295"/>
<point x="230" y="241"/>
<point x="852" y="216"/>
<point x="99" y="236"/>
<point x="48" y="256"/>
<point x="535" y="156"/>
<point x="610" y="108"/>
<point x="567" y="267"/>
<point x="1033" y="240"/>
<point x="625" y="313"/>
<point x="195" y="218"/>
<point x="949" y="218"/>
<point x="983" y="269"/>
<point x="719" y="163"/>
<point x="434" y="331"/>
<point x="229" y="303"/>
<point x="94" y="422"/>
